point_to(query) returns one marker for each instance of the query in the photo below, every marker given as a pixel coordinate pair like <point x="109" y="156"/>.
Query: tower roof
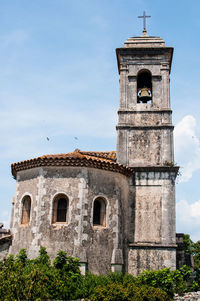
<point x="144" y="41"/>
<point x="144" y="45"/>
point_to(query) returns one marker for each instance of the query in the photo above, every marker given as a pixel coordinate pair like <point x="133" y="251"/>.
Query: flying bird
<point x="48" y="139"/>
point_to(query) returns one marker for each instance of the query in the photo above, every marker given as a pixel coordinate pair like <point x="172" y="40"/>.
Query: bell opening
<point x="144" y="87"/>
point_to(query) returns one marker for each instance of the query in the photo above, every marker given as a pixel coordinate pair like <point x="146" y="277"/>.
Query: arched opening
<point x="60" y="207"/>
<point x="26" y="210"/>
<point x="99" y="212"/>
<point x="144" y="87"/>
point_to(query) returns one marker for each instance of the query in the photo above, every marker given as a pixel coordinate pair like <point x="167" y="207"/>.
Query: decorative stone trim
<point x="151" y="246"/>
<point x="156" y="168"/>
<point x="152" y="111"/>
<point x="145" y="127"/>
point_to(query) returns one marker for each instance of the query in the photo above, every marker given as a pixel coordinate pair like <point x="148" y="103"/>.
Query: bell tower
<point x="144" y="130"/>
<point x="145" y="143"/>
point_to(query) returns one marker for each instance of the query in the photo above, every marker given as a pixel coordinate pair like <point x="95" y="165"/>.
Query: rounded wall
<point x="77" y="235"/>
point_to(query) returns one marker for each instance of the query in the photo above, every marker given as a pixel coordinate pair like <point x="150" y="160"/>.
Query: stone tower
<point x="145" y="143"/>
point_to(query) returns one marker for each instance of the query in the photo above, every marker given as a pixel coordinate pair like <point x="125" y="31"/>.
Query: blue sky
<point x="59" y="79"/>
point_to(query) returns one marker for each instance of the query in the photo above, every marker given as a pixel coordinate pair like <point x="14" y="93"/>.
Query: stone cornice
<point x="140" y="51"/>
<point x="156" y="168"/>
<point x="152" y="246"/>
<point x="148" y="111"/>
<point x="145" y="127"/>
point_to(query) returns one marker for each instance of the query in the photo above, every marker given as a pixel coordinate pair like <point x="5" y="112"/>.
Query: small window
<point x="26" y="209"/>
<point x="60" y="208"/>
<point x="144" y="87"/>
<point x="99" y="212"/>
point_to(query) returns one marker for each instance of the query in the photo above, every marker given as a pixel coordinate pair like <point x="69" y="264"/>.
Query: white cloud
<point x="187" y="147"/>
<point x="188" y="218"/>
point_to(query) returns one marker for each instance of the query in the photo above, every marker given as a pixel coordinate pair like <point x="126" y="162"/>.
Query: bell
<point x="144" y="94"/>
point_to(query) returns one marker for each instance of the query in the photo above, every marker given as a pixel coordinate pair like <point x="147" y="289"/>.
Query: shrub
<point x="169" y="281"/>
<point x="147" y="293"/>
<point x="118" y="292"/>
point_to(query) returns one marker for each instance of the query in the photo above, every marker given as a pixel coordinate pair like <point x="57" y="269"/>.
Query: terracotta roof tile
<point x="101" y="160"/>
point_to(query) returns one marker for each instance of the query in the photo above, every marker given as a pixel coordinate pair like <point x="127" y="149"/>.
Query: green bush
<point x="39" y="279"/>
<point x="147" y="293"/>
<point x="36" y="279"/>
<point x="118" y="292"/>
<point x="109" y="292"/>
<point x="169" y="281"/>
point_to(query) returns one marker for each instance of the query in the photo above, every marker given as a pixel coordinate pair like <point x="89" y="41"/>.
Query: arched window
<point x="99" y="212"/>
<point x="144" y="87"/>
<point x="60" y="207"/>
<point x="26" y="209"/>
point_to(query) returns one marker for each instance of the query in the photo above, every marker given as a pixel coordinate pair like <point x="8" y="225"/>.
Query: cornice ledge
<point x="152" y="245"/>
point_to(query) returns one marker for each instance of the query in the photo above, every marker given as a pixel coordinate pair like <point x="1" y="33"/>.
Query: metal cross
<point x="144" y="20"/>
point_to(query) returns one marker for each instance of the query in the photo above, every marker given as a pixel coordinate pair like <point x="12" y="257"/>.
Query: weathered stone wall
<point x="155" y="207"/>
<point x="96" y="245"/>
<point x="150" y="257"/>
<point x="146" y="117"/>
<point x="145" y="145"/>
<point x="154" y="245"/>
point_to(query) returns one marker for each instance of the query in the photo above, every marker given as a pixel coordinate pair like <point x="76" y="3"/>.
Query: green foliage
<point x="169" y="281"/>
<point x="147" y="293"/>
<point x="43" y="258"/>
<point x="39" y="279"/>
<point x="67" y="264"/>
<point x="196" y="254"/>
<point x="22" y="257"/>
<point x="188" y="244"/>
<point x="36" y="279"/>
<point x="119" y="292"/>
<point x="194" y="249"/>
<point x="170" y="164"/>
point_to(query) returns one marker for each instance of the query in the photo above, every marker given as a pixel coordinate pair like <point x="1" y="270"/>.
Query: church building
<point x="113" y="210"/>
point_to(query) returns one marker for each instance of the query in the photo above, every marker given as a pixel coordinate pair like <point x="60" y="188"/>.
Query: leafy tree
<point x="193" y="248"/>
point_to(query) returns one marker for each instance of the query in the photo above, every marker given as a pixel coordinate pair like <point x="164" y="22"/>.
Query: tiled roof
<point x="100" y="160"/>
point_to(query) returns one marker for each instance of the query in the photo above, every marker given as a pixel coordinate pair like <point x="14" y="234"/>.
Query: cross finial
<point x="144" y="22"/>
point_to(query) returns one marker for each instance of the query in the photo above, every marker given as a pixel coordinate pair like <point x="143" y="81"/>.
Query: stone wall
<point x="99" y="247"/>
<point x="148" y="257"/>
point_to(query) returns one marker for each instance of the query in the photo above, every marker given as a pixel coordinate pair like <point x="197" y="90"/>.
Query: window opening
<point x="144" y="87"/>
<point x="26" y="210"/>
<point x="61" y="210"/>
<point x="99" y="212"/>
<point x="60" y="207"/>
